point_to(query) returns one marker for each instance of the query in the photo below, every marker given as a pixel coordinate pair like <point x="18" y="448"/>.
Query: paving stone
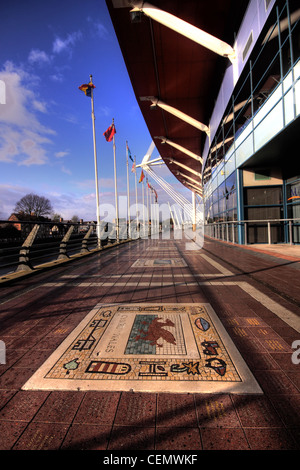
<point x="33" y="358"/>
<point x="87" y="437"/>
<point x="25" y="342"/>
<point x="265" y="333"/>
<point x="276" y="382"/>
<point x="10" y="432"/>
<point x="12" y="357"/>
<point x="261" y="361"/>
<point x="60" y="407"/>
<point x="224" y="439"/>
<point x="275" y="345"/>
<point x="14" y="378"/>
<point x="284" y="362"/>
<point x="271" y="439"/>
<point x="178" y="439"/>
<point x="98" y="408"/>
<point x="42" y="436"/>
<point x="176" y="410"/>
<point x="294" y="376"/>
<point x="5" y="396"/>
<point x="132" y="438"/>
<point x="136" y="409"/>
<point x="288" y="408"/>
<point x="23" y="406"/>
<point x="216" y="411"/>
<point x="49" y="342"/>
<point x="256" y="411"/>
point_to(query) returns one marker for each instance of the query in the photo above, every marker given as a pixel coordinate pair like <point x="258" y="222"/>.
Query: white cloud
<point x="85" y="184"/>
<point x="66" y="170"/>
<point x="39" y="106"/>
<point x="57" y="77"/>
<point x="61" y="154"/>
<point x="9" y="196"/>
<point x="22" y="147"/>
<point x="38" y="56"/>
<point x="62" y="45"/>
<point x="104" y="111"/>
<point x="99" y="28"/>
<point x="68" y="205"/>
<point x="90" y="183"/>
<point x="71" y="118"/>
<point x="22" y="135"/>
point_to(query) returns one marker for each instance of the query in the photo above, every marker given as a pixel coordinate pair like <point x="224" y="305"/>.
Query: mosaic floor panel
<point x="159" y="263"/>
<point x="147" y="347"/>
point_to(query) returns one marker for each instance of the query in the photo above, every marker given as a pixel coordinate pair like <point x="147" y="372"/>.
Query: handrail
<point x="38" y="241"/>
<point x="216" y="229"/>
<point x="255" y="220"/>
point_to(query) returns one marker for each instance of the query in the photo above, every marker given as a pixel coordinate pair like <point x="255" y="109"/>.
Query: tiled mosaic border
<point x="209" y="364"/>
<point x="160" y="263"/>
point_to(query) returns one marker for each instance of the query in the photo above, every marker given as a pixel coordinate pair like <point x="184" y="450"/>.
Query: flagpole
<point x="194" y="210"/>
<point x="152" y="216"/>
<point x="116" y="190"/>
<point x="128" y="202"/>
<point x="96" y="169"/>
<point x="174" y="226"/>
<point x="147" y="198"/>
<point x="143" y="194"/>
<point x="136" y="198"/>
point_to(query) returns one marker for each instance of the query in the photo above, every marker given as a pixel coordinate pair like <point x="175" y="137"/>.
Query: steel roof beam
<point x="176" y="112"/>
<point x="180" y="148"/>
<point x="186" y="29"/>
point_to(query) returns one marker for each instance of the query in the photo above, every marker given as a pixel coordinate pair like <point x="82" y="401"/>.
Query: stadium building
<point x="218" y="86"/>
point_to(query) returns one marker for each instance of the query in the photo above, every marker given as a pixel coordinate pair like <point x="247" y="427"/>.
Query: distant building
<point x="25" y="222"/>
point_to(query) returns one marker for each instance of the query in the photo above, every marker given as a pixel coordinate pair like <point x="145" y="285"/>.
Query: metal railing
<point x="34" y="243"/>
<point x="255" y="231"/>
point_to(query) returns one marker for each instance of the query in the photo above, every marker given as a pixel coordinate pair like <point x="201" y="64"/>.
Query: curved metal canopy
<point x="174" y="76"/>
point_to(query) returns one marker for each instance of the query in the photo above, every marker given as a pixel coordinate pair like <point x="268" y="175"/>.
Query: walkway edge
<point x="8" y="278"/>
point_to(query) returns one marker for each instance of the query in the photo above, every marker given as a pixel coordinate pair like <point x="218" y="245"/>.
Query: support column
<point x="194" y="211"/>
<point x="63" y="244"/>
<point x="84" y="248"/>
<point x="24" y="262"/>
<point x="240" y="205"/>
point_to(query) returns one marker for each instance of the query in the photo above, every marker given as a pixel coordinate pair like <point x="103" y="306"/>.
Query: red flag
<point x="142" y="177"/>
<point x="87" y="88"/>
<point x="109" y="133"/>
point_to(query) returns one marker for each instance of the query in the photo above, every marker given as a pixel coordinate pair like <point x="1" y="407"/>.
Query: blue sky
<point x="48" y="49"/>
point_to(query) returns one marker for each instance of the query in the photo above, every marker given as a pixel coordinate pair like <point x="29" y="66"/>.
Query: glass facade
<point x="221" y="205"/>
<point x="293" y="206"/>
<point x="264" y="203"/>
<point x="266" y="100"/>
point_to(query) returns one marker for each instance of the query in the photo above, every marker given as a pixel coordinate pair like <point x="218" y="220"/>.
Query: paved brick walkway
<point x="255" y="295"/>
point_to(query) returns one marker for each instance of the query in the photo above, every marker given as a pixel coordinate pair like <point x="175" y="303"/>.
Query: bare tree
<point x="33" y="204"/>
<point x="55" y="217"/>
<point x="75" y="219"/>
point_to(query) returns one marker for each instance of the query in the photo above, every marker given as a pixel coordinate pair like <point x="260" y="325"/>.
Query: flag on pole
<point x="87" y="88"/>
<point x="142" y="177"/>
<point x="109" y="133"/>
<point x="153" y="190"/>
<point x="129" y="153"/>
<point x="133" y="168"/>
